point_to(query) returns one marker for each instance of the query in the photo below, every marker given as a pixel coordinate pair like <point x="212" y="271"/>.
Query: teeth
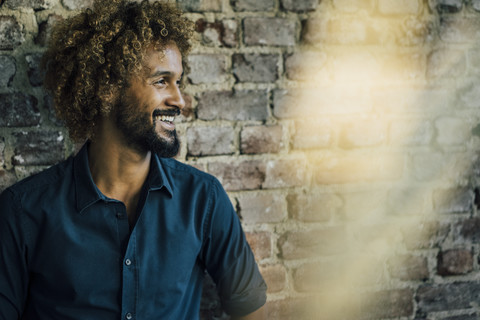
<point x="165" y="118"/>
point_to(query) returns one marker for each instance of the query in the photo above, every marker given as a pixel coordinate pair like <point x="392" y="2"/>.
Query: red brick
<point x="261" y="139"/>
<point x="261" y="207"/>
<point x="313" y="206"/>
<point x="312" y="243"/>
<point x="244" y="175"/>
<point x="260" y="243"/>
<point x="275" y="277"/>
<point x="408" y="267"/>
<point x="454" y="262"/>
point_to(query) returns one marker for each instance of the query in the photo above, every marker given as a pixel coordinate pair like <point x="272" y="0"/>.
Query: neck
<point x="118" y="170"/>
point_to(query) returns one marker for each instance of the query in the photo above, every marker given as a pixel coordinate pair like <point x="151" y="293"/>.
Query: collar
<point x="87" y="192"/>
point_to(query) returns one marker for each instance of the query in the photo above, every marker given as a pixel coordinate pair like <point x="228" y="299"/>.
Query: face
<point x="147" y="109"/>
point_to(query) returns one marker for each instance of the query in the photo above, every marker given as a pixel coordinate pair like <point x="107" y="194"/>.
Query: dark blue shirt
<point x="67" y="252"/>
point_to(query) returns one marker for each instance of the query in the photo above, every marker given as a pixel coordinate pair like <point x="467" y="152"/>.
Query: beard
<point x="140" y="134"/>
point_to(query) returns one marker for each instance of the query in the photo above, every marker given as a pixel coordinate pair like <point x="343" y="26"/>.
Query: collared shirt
<point x="67" y="252"/>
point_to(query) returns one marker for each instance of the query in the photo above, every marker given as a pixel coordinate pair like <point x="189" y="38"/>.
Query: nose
<point x="176" y="98"/>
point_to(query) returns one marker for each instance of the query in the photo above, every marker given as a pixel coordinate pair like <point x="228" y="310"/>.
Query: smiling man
<point x="121" y="230"/>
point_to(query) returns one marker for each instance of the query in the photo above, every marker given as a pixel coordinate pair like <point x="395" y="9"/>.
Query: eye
<point x="160" y="82"/>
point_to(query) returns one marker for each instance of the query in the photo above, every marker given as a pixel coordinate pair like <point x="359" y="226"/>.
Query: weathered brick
<point x="269" y="31"/>
<point x="408" y="267"/>
<point x="410" y="132"/>
<point x="34" y="4"/>
<point x="299" y="5"/>
<point x="407" y="201"/>
<point x="253" y="5"/>
<point x="200" y="5"/>
<point x="260" y="243"/>
<point x="243" y="175"/>
<point x="261" y="208"/>
<point x="38" y="148"/>
<point x="285" y="173"/>
<point x="218" y="33"/>
<point x="23" y="172"/>
<point x="255" y="67"/>
<point x="431" y="166"/>
<point x="203" y="141"/>
<point x="35" y="72"/>
<point x="45" y="27"/>
<point x="11" y="33"/>
<point x="363" y="133"/>
<point x="261" y="139"/>
<point x="447" y="6"/>
<point x="468" y="230"/>
<point x="454" y="262"/>
<point x="470" y="96"/>
<point x="207" y="68"/>
<point x="453" y="200"/>
<point x="357" y="168"/>
<point x="235" y="106"/>
<point x="7" y="178"/>
<point x="8" y="69"/>
<point x="312" y="134"/>
<point x="446" y="63"/>
<point x="399" y="6"/>
<point x="313" y="206"/>
<point x="312" y="243"/>
<point x="336" y="31"/>
<point x="447" y="297"/>
<point x="353" y="6"/>
<point x="317" y="276"/>
<point x="388" y="304"/>
<point x="293" y="309"/>
<point x="365" y="205"/>
<point x="459" y="30"/>
<point x="406" y="100"/>
<point x="230" y="33"/>
<point x="424" y="235"/>
<point x="275" y="277"/>
<point x="476" y="5"/>
<point x="305" y="65"/>
<point x="77" y="4"/>
<point x="18" y="110"/>
<point x="452" y="131"/>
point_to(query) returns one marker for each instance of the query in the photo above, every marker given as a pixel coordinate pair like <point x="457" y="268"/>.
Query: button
<point x="128" y="262"/>
<point x="128" y="316"/>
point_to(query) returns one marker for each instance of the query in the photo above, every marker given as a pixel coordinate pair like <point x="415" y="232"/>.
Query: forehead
<point x="167" y="58"/>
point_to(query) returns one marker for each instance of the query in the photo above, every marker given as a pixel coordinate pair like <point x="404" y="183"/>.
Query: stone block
<point x="207" y="68"/>
<point x="275" y="276"/>
<point x="467" y="230"/>
<point x="77" y="4"/>
<point x="313" y="243"/>
<point x="18" y="110"/>
<point x="447" y="297"/>
<point x="255" y="67"/>
<point x="261" y="139"/>
<point x="285" y="173"/>
<point x="402" y="7"/>
<point x="230" y="33"/>
<point x="253" y="5"/>
<point x="408" y="267"/>
<point x="260" y="243"/>
<point x="243" y="175"/>
<point x="200" y="5"/>
<point x="454" y="262"/>
<point x="35" y="72"/>
<point x="299" y="5"/>
<point x="11" y="33"/>
<point x="305" y="65"/>
<point x="241" y="105"/>
<point x="202" y="141"/>
<point x="313" y="206"/>
<point x="269" y="31"/>
<point x="8" y="69"/>
<point x="38" y="148"/>
<point x="261" y="208"/>
<point x="454" y="200"/>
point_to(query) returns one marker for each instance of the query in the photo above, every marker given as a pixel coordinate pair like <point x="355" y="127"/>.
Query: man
<point x="121" y="230"/>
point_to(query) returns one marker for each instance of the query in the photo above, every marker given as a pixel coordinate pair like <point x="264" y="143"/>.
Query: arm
<point x="260" y="314"/>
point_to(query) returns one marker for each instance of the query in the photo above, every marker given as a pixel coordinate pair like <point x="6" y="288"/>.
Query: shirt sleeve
<point x="229" y="259"/>
<point x="13" y="266"/>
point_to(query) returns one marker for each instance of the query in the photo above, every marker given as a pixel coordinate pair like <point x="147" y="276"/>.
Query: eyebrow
<point x="159" y="73"/>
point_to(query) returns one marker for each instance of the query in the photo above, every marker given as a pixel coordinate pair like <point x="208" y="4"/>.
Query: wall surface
<point x="345" y="132"/>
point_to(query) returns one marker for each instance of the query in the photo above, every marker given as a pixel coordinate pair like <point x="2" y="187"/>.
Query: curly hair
<point x="92" y="55"/>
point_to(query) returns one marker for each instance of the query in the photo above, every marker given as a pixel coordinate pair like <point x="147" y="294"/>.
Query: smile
<point x="165" y="118"/>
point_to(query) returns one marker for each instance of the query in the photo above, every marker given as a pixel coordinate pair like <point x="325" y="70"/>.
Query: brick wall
<point x="345" y="132"/>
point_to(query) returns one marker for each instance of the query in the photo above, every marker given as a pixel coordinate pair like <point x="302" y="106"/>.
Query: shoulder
<point x="184" y="172"/>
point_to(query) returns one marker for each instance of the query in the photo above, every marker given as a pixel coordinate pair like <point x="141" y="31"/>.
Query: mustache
<point x="166" y="112"/>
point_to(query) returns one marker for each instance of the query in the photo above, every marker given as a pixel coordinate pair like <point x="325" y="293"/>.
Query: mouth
<point x="166" y="116"/>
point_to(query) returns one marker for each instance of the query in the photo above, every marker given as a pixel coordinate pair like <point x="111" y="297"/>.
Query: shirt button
<point x="128" y="316"/>
<point x="128" y="262"/>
